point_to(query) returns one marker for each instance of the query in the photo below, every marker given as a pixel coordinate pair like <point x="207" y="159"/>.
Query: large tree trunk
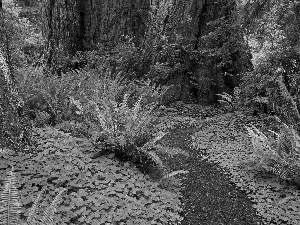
<point x="109" y="20"/>
<point x="70" y="26"/>
<point x="61" y="21"/>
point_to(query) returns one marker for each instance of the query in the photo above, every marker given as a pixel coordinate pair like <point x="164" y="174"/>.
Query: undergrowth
<point x="280" y="157"/>
<point x="98" y="191"/>
<point x="126" y="131"/>
<point x="267" y="169"/>
<point x="11" y="206"/>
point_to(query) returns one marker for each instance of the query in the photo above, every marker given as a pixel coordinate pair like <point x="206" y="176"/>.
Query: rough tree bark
<point x="70" y="26"/>
<point x="61" y="29"/>
<point x="110" y="20"/>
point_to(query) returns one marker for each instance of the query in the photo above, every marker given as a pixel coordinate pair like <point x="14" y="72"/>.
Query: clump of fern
<point x="281" y="157"/>
<point x="10" y="206"/>
<point x="117" y="122"/>
<point x="232" y="102"/>
<point x="126" y="131"/>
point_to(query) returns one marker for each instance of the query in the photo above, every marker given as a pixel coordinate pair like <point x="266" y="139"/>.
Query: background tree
<point x="71" y="27"/>
<point x="14" y="130"/>
<point x="272" y="31"/>
<point x="81" y="25"/>
<point x="223" y="51"/>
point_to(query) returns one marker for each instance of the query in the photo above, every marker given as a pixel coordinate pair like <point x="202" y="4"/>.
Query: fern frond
<point x="4" y="67"/>
<point x="150" y="144"/>
<point x="174" y="173"/>
<point x="261" y="147"/>
<point x="158" y="162"/>
<point x="10" y="207"/>
<point x="227" y="98"/>
<point x="260" y="142"/>
<point x="47" y="219"/>
<point x="171" y="151"/>
<point x="137" y="107"/>
<point x="31" y="219"/>
<point x="277" y="169"/>
<point x="296" y="142"/>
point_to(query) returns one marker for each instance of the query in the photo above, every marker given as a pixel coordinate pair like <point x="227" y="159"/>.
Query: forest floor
<point x="209" y="197"/>
<point x="217" y="190"/>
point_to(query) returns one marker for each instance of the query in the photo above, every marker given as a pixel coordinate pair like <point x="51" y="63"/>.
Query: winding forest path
<point x="209" y="197"/>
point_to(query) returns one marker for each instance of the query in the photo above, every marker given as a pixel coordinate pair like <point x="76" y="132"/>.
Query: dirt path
<point x="209" y="197"/>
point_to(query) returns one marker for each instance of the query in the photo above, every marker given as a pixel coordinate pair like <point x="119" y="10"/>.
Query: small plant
<point x="234" y="101"/>
<point x="282" y="157"/>
<point x="117" y="121"/>
<point x="10" y="206"/>
<point x="231" y="103"/>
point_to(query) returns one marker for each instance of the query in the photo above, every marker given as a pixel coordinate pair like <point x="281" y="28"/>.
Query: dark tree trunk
<point x="70" y="26"/>
<point x="62" y="28"/>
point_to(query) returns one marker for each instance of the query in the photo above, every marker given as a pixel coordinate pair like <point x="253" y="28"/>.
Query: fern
<point x="265" y="155"/>
<point x="174" y="173"/>
<point x="227" y="98"/>
<point x="280" y="159"/>
<point x="48" y="214"/>
<point x="279" y="170"/>
<point x="234" y="101"/>
<point x="4" y="68"/>
<point x="124" y="127"/>
<point x="10" y="207"/>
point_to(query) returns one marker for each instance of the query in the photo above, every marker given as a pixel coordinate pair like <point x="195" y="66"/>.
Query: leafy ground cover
<point x="210" y="194"/>
<point x="99" y="191"/>
<point x="104" y="190"/>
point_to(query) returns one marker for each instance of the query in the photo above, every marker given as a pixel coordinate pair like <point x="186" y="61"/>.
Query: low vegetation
<point x="87" y="129"/>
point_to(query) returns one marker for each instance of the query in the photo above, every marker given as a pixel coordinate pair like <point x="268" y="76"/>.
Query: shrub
<point x="282" y="157"/>
<point x="233" y="102"/>
<point x="117" y="121"/>
<point x="125" y="131"/>
<point x="51" y="94"/>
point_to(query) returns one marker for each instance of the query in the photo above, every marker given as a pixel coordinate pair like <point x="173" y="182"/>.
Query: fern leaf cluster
<point x="125" y="131"/>
<point x="118" y="120"/>
<point x="280" y="158"/>
<point x="234" y="101"/>
<point x="10" y="206"/>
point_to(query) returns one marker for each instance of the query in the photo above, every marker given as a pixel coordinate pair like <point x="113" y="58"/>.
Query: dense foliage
<point x="109" y="101"/>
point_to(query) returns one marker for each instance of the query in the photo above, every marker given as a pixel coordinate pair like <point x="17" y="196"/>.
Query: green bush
<point x="280" y="157"/>
<point x="55" y="92"/>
